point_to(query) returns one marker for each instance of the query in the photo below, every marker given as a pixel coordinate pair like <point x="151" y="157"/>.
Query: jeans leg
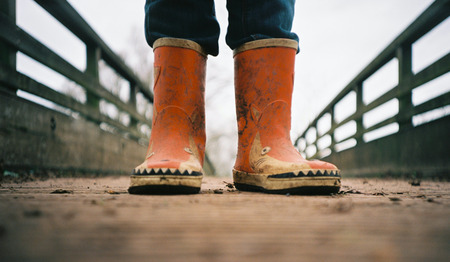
<point x="250" y="20"/>
<point x="186" y="19"/>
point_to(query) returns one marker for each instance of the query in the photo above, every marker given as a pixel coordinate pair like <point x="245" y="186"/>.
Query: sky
<point x="338" y="38"/>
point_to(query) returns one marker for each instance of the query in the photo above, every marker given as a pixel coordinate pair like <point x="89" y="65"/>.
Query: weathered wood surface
<point x="34" y="138"/>
<point x="375" y="220"/>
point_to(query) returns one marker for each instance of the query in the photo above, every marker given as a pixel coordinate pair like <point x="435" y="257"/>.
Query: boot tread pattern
<point x="165" y="171"/>
<point x="308" y="173"/>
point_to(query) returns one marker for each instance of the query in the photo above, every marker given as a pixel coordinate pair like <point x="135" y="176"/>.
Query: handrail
<point x="400" y="48"/>
<point x="72" y="20"/>
<point x="21" y="41"/>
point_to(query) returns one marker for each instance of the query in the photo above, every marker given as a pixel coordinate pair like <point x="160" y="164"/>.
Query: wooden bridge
<point x="87" y="219"/>
<point x="41" y="140"/>
<point x="81" y="139"/>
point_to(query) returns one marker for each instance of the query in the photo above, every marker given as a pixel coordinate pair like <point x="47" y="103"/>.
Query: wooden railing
<point x="400" y="48"/>
<point x="95" y="151"/>
<point x="18" y="40"/>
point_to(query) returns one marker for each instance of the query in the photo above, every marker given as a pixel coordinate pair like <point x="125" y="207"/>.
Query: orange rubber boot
<point x="175" y="154"/>
<point x="266" y="160"/>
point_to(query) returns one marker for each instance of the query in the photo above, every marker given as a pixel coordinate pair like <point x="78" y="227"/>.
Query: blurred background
<point x="337" y="40"/>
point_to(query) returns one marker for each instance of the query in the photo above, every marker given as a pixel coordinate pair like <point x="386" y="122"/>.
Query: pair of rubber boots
<point x="266" y="159"/>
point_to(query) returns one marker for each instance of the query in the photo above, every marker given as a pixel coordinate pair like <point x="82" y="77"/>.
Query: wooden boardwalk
<point x="94" y="219"/>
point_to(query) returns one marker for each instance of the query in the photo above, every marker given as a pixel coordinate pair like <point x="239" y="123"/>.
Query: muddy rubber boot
<point x="174" y="160"/>
<point x="266" y="160"/>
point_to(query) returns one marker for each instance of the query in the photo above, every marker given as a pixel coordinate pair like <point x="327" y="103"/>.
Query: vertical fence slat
<point x="404" y="56"/>
<point x="332" y="135"/>
<point x="132" y="101"/>
<point x="93" y="54"/>
<point x="359" y="110"/>
<point x="8" y="53"/>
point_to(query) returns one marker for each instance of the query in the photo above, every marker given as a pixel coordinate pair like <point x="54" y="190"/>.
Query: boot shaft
<point x="179" y="96"/>
<point x="264" y="78"/>
<point x="264" y="72"/>
<point x="179" y="77"/>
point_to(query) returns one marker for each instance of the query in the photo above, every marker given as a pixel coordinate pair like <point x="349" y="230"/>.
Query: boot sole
<point x="307" y="182"/>
<point x="165" y="184"/>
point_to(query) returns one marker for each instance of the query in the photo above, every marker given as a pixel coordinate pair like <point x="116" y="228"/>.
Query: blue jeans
<point x="195" y="20"/>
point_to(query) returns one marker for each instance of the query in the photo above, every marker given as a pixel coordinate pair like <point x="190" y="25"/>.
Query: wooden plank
<point x="437" y="102"/>
<point x="372" y="220"/>
<point x="433" y="71"/>
<point x="386" y="97"/>
<point x="16" y="37"/>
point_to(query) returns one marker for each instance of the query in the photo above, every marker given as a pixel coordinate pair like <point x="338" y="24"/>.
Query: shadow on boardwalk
<point x="94" y="219"/>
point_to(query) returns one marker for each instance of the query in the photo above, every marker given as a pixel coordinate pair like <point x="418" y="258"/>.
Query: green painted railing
<point x="15" y="39"/>
<point x="401" y="49"/>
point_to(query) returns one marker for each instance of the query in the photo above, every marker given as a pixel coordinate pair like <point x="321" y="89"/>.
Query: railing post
<point x="317" y="139"/>
<point x="7" y="53"/>
<point x="93" y="54"/>
<point x="359" y="110"/>
<point x="132" y="102"/>
<point x="404" y="56"/>
<point x="333" y="124"/>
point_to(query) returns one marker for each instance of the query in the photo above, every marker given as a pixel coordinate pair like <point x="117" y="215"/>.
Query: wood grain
<point x="370" y="220"/>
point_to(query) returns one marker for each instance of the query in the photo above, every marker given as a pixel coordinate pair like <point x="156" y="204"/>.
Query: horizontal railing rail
<point x="96" y="49"/>
<point x="68" y="16"/>
<point x="401" y="49"/>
